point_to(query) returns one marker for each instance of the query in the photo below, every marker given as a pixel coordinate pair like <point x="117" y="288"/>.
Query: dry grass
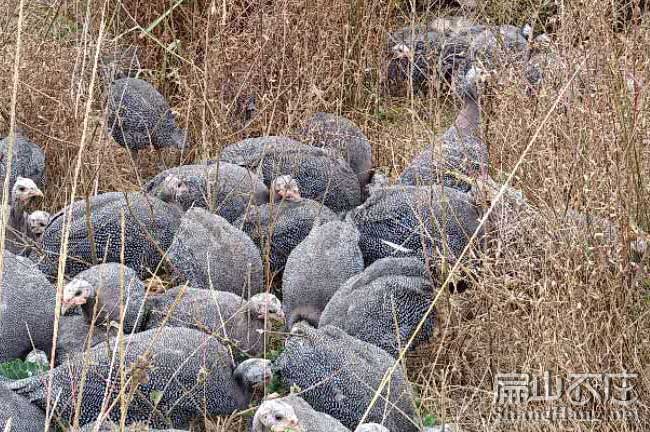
<point x="548" y="297"/>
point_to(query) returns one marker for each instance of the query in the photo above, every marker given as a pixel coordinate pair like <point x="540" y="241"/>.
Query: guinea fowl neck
<point x="468" y="119"/>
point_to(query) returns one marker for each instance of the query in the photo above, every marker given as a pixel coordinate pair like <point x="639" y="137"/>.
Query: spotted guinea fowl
<point x="26" y="309"/>
<point x="342" y="135"/>
<point x="292" y="413"/>
<point x="18" y="415"/>
<point x="226" y="315"/>
<point x="148" y="230"/>
<point x="339" y="375"/>
<point x="23" y="194"/>
<point x="317" y="268"/>
<point x="459" y="150"/>
<point x="321" y="174"/>
<point x="277" y="228"/>
<point x="384" y="304"/>
<point x="209" y="253"/>
<point x="180" y="375"/>
<point x="28" y="161"/>
<point x="226" y="189"/>
<point x="371" y="427"/>
<point x="105" y="292"/>
<point x="427" y="222"/>
<point x="139" y="117"/>
<point x="36" y="223"/>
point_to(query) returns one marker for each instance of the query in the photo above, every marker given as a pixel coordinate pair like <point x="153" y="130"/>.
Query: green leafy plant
<point x="19" y="369"/>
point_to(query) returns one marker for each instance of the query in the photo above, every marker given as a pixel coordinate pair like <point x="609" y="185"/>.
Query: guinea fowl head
<point x="24" y="192"/>
<point x="285" y="187"/>
<point x="265" y="305"/>
<point x="276" y="416"/>
<point x="254" y="372"/>
<point x="37" y="221"/>
<point x="171" y="189"/>
<point x="472" y="82"/>
<point x="77" y="292"/>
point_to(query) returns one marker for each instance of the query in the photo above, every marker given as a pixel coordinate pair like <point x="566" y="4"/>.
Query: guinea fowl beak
<point x="35" y="193"/>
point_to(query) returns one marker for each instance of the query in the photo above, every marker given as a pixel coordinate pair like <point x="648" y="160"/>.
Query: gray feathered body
<point x="116" y="285"/>
<point x="139" y="117"/>
<point x="278" y="228"/>
<point x="24" y="416"/>
<point x="214" y="312"/>
<point x="180" y="375"/>
<point x="28" y="161"/>
<point x="342" y="135"/>
<point x="317" y="268"/>
<point x="399" y="221"/>
<point x="339" y="375"/>
<point x="26" y="309"/>
<point x="209" y="253"/>
<point x="75" y="336"/>
<point x="227" y="189"/>
<point x="149" y="228"/>
<point x="384" y="304"/>
<point x="321" y="175"/>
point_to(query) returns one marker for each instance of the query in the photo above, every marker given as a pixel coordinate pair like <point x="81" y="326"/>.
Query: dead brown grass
<point x="549" y="297"/>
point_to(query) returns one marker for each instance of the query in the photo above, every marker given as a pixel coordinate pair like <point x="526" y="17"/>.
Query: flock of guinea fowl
<point x="355" y="260"/>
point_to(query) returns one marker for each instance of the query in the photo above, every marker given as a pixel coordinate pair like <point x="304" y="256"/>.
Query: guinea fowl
<point x="458" y="151"/>
<point x="317" y="268"/>
<point x="342" y="135"/>
<point x="339" y="375"/>
<point x="172" y="189"/>
<point x="26" y="309"/>
<point x="209" y="253"/>
<point x="292" y="413"/>
<point x="147" y="224"/>
<point x="277" y="228"/>
<point x="384" y="304"/>
<point x="433" y="222"/>
<point x="321" y="174"/>
<point x="76" y="335"/>
<point x="225" y="189"/>
<point x="105" y="292"/>
<point x="371" y="427"/>
<point x="18" y="415"/>
<point x="231" y="318"/>
<point x="139" y="117"/>
<point x="23" y="193"/>
<point x="28" y="161"/>
<point x="180" y="375"/>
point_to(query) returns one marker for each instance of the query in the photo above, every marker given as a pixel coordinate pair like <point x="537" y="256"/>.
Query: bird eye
<point x="278" y="417"/>
<point x="21" y="189"/>
<point x="78" y="293"/>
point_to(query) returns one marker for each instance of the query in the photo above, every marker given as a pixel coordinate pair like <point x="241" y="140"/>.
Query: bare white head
<point x="37" y="221"/>
<point x="24" y="191"/>
<point x="171" y="189"/>
<point x="276" y="416"/>
<point x="76" y="293"/>
<point x="285" y="187"/>
<point x="401" y="51"/>
<point x="254" y="372"/>
<point x="265" y="305"/>
<point x="371" y="427"/>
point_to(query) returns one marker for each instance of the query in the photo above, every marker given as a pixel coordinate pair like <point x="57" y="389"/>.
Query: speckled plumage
<point x="220" y="313"/>
<point x="342" y="135"/>
<point x="28" y="161"/>
<point x="24" y="416"/>
<point x="339" y="375"/>
<point x="26" y="309"/>
<point x="384" y="304"/>
<point x="209" y="253"/>
<point x="227" y="189"/>
<point x="410" y="220"/>
<point x="109" y="426"/>
<point x="115" y="284"/>
<point x="293" y="409"/>
<point x="146" y="219"/>
<point x="279" y="227"/>
<point x="139" y="117"/>
<point x="317" y="268"/>
<point x="188" y="372"/>
<point x="320" y="173"/>
<point x="371" y="427"/>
